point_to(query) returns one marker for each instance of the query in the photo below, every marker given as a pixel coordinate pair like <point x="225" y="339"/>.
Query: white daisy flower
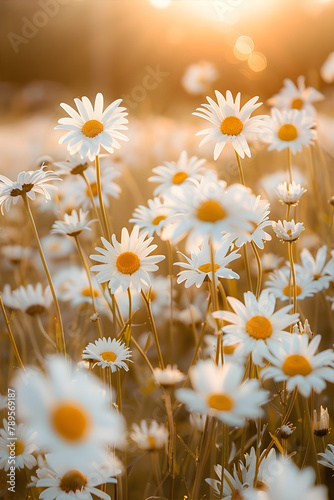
<point x="27" y="183"/>
<point x="298" y="96"/>
<point x="327" y="69"/>
<point x="56" y="247"/>
<point x="260" y="209"/>
<point x="33" y="299"/>
<point x="74" y="166"/>
<point x="220" y="392"/>
<point x="290" y="193"/>
<point x="295" y="361"/>
<point x="180" y="174"/>
<point x="90" y="128"/>
<point x="287" y="481"/>
<point x="255" y="325"/>
<point x="70" y="411"/>
<point x="61" y="482"/>
<point x="75" y="289"/>
<point x="16" y="253"/>
<point x="321" y="425"/>
<point x="209" y="207"/>
<point x="73" y="224"/>
<point x="8" y="298"/>
<point x="230" y="122"/>
<point x="288" y="230"/>
<point x="316" y="267"/>
<point x="198" y="77"/>
<point x="290" y="129"/>
<point x="108" y="353"/>
<point x="153" y="218"/>
<point x="23" y="448"/>
<point x="328" y="457"/>
<point x="149" y="435"/>
<point x="199" y="266"/>
<point x="169" y="376"/>
<point x="280" y="284"/>
<point x="127" y="262"/>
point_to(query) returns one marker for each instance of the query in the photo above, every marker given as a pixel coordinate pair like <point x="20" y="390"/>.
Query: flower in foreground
<point x="255" y="325"/>
<point x="70" y="412"/>
<point x="73" y="224"/>
<point x="27" y="184"/>
<point x="108" y="353"/>
<point x="90" y="128"/>
<point x="230" y="122"/>
<point x="24" y="447"/>
<point x="220" y="392"/>
<point x="149" y="435"/>
<point x="127" y="262"/>
<point x="296" y="362"/>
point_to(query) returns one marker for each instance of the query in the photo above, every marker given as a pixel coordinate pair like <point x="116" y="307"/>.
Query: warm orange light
<point x="257" y="62"/>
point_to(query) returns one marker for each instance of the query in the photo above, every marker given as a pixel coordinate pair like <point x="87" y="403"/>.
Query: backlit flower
<point x="108" y="353"/>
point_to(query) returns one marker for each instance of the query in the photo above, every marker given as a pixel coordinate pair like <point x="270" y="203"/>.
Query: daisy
<point x="8" y="298"/>
<point x="149" y="435"/>
<point x="321" y="426"/>
<point x="199" y="266"/>
<point x="316" y="267"/>
<point x="27" y="184"/>
<point x="298" y="96"/>
<point x="291" y="129"/>
<point x="55" y="247"/>
<point x="255" y="325"/>
<point x="180" y="174"/>
<point x="288" y="230"/>
<point x="260" y="209"/>
<point x="153" y="218"/>
<point x="211" y="208"/>
<point x="70" y="411"/>
<point x="90" y="128"/>
<point x="169" y="376"/>
<point x="296" y="362"/>
<point x="327" y="69"/>
<point x="76" y="289"/>
<point x="73" y="224"/>
<point x="290" y="193"/>
<point x="230" y="122"/>
<point x="74" y="166"/>
<point x="280" y="284"/>
<point x="33" y="299"/>
<point x="198" y="77"/>
<point x="110" y="353"/>
<point x="16" y="253"/>
<point x="23" y="449"/>
<point x="62" y="482"/>
<point x="220" y="392"/>
<point x="127" y="262"/>
<point x="328" y="457"/>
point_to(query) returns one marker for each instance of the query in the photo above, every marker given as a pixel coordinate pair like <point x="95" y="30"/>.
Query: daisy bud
<point x="168" y="377"/>
<point x="321" y="426"/>
<point x="286" y="430"/>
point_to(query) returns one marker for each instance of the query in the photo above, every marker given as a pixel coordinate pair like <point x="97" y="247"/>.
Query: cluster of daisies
<point x="252" y="359"/>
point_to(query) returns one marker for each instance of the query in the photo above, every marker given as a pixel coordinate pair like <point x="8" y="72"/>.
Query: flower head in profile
<point x="296" y="362"/>
<point x="90" y="128"/>
<point x="27" y="184"/>
<point x="74" y="166"/>
<point x="327" y="457"/>
<point x="169" y="376"/>
<point x="231" y="123"/>
<point x="298" y="96"/>
<point x="321" y="424"/>
<point x="127" y="262"/>
<point x="316" y="267"/>
<point x="73" y="224"/>
<point x="108" y="353"/>
<point x="288" y="230"/>
<point x="220" y="392"/>
<point x="33" y="299"/>
<point x="255" y="325"/>
<point x="290" y="129"/>
<point x="260" y="220"/>
<point x="289" y="194"/>
<point x="149" y="435"/>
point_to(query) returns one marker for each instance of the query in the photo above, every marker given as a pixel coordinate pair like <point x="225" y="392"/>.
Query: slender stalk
<point x="293" y="275"/>
<point x="172" y="444"/>
<point x="11" y="336"/>
<point x="84" y="262"/>
<point x="246" y="262"/>
<point x="43" y="331"/>
<point x="157" y="472"/>
<point x="170" y="269"/>
<point x="311" y="435"/>
<point x="215" y="303"/>
<point x="259" y="269"/>
<point x="290" y="165"/>
<point x="62" y="347"/>
<point x="225" y="453"/>
<point x="203" y="457"/>
<point x="99" y="191"/>
<point x="241" y="173"/>
<point x="130" y="307"/>
<point x="91" y="196"/>
<point x="154" y="330"/>
<point x="142" y="353"/>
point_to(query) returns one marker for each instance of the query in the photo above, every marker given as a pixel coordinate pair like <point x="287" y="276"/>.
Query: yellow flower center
<point x="236" y="495"/>
<point x="207" y="268"/>
<point x="287" y="132"/>
<point x="296" y="364"/>
<point x="260" y="485"/>
<point x="151" y="442"/>
<point x="259" y="327"/>
<point x="73" y="480"/>
<point x="158" y="219"/>
<point x="71" y="421"/>
<point x="316" y="277"/>
<point x="127" y="263"/>
<point x="19" y="447"/>
<point x="211" y="211"/>
<point x="229" y="349"/>
<point x="108" y="356"/>
<point x="92" y="128"/>
<point x="297" y="103"/>
<point x="93" y="188"/>
<point x="220" y="402"/>
<point x="232" y="125"/>
<point x="179" y="177"/>
<point x="86" y="292"/>
<point x="288" y="290"/>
